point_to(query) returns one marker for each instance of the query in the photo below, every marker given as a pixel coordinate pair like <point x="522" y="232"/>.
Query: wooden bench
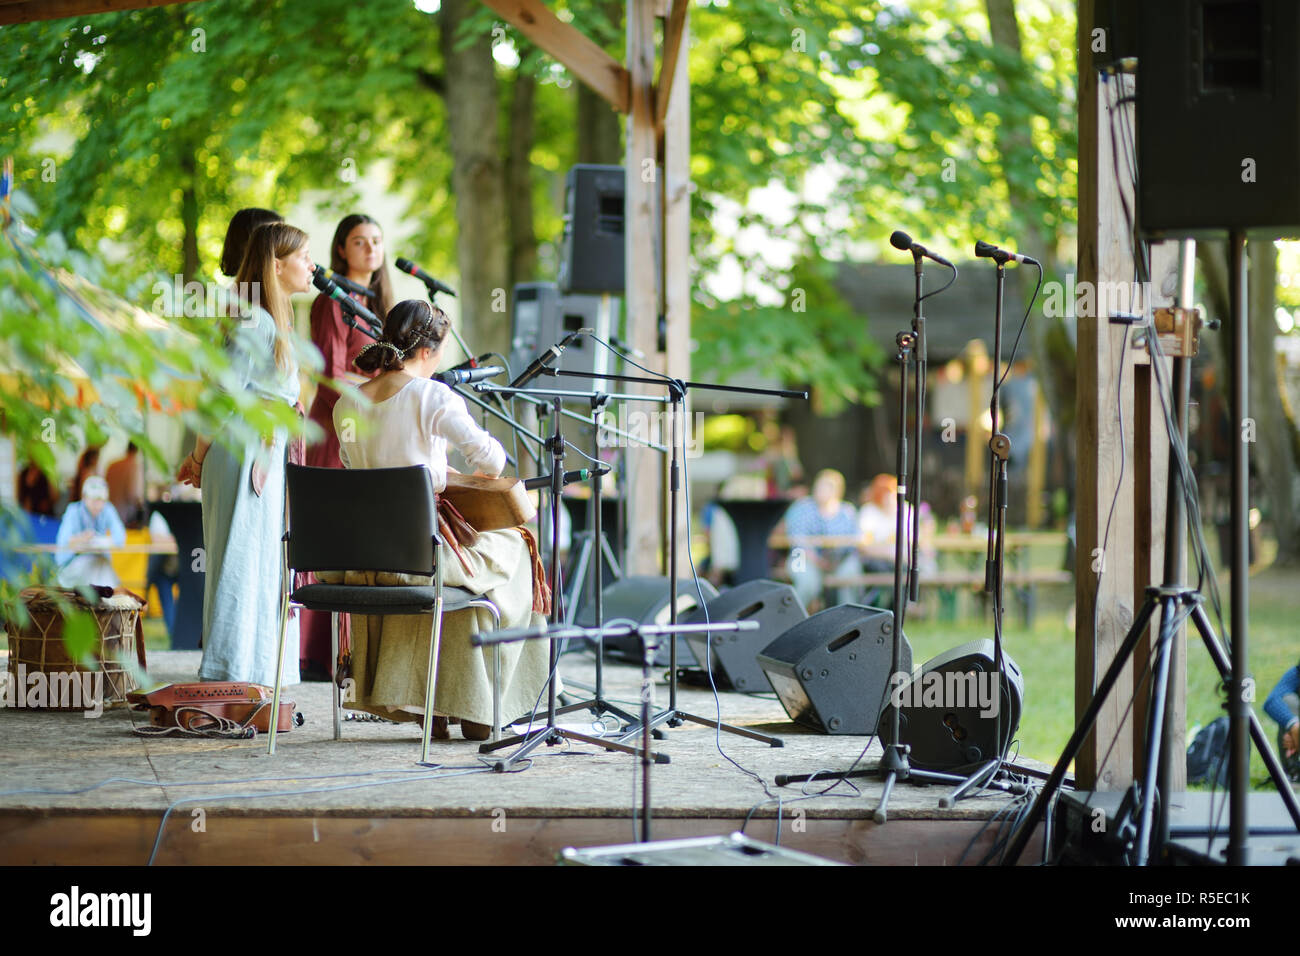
<point x="1021" y="584"/>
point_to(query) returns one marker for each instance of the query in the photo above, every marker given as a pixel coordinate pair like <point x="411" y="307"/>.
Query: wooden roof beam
<point x="29" y="11"/>
<point x="673" y="32"/>
<point x="579" y="55"/>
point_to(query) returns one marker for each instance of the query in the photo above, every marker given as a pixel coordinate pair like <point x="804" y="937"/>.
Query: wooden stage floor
<point x="78" y="791"/>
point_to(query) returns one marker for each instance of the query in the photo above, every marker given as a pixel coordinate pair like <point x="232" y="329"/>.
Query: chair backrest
<point x="361" y="519"/>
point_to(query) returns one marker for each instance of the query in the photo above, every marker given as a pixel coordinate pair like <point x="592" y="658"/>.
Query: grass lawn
<point x="1045" y="656"/>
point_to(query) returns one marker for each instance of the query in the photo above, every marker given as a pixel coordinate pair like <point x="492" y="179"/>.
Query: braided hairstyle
<point x="411" y="325"/>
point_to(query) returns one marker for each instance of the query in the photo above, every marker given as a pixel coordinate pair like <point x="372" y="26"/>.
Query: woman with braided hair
<point x="406" y="418"/>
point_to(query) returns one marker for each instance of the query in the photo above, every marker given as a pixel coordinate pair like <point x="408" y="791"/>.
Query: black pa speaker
<point x="1218" y="117"/>
<point x="948" y="715"/>
<point x="644" y="599"/>
<point x="831" y="671"/>
<point x="593" y="248"/>
<point x="543" y="316"/>
<point x="774" y="605"/>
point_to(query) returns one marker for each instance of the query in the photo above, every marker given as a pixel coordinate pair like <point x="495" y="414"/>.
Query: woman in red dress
<point x="356" y="252"/>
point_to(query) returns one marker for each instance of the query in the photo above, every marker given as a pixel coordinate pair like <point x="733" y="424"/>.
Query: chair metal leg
<point x="493" y="610"/>
<point x="279" y="661"/>
<point x="435" y="642"/>
<point x="496" y="692"/>
<point x="334" y="673"/>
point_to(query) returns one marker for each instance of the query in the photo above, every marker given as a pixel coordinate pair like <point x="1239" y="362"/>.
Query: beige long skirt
<point x="390" y="654"/>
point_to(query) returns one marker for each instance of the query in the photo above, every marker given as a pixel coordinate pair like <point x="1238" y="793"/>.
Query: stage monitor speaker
<point x="644" y="599"/>
<point x="831" y="671"/>
<point x="949" y="717"/>
<point x="774" y="605"/>
<point x="593" y="247"/>
<point x="543" y="316"/>
<point x="1218" y="117"/>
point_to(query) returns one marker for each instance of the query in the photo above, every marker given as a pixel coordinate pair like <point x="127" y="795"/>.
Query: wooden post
<point x="1122" y="445"/>
<point x="645" y="469"/>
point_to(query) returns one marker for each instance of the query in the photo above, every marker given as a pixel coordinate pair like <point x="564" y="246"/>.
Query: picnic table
<point x="960" y="560"/>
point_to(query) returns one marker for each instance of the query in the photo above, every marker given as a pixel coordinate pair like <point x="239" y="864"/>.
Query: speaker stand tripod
<point x="673" y="716"/>
<point x="1175" y="603"/>
<point x="551" y="733"/>
<point x="596" y="550"/>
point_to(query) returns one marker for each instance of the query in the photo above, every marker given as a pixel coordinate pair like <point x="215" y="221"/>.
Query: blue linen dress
<point x="242" y="530"/>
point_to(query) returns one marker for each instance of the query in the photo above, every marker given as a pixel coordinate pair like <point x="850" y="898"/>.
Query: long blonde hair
<point x="271" y="241"/>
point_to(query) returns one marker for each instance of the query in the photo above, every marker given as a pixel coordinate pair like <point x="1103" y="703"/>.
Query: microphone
<point x="433" y="285"/>
<point x="463" y="376"/>
<point x="901" y="240"/>
<point x="331" y="288"/>
<point x="582" y="474"/>
<point x="354" y="287"/>
<point x="545" y="359"/>
<point x="986" y="250"/>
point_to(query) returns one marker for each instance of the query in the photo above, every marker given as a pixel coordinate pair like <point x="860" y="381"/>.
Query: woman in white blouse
<point x="405" y="418"/>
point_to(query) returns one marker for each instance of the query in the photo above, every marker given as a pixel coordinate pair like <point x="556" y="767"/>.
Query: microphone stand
<point x="894" y="764"/>
<point x="649" y="636"/>
<point x="995" y="555"/>
<point x="597" y="552"/>
<point x="673" y="715"/>
<point x="551" y="733"/>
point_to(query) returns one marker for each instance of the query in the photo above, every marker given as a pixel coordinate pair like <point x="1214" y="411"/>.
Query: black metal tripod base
<point x="1164" y="599"/>
<point x="551" y="736"/>
<point x="894" y="766"/>
<point x="675" y="718"/>
<point x="599" y="707"/>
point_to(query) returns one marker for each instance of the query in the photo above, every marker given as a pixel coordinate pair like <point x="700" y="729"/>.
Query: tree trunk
<point x="599" y="130"/>
<point x="1273" y="455"/>
<point x="189" y="217"/>
<point x="1046" y="338"/>
<point x="1273" y="451"/>
<point x="599" y="127"/>
<point x="519" y="181"/>
<point x="477" y="181"/>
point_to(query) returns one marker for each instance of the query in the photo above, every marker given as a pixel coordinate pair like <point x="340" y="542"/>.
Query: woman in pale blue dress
<point x="243" y="486"/>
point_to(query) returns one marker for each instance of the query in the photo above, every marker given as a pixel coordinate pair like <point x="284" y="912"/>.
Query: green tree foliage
<point x="896" y="105"/>
<point x="191" y="111"/>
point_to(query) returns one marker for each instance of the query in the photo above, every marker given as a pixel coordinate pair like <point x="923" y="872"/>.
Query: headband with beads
<point x="382" y="345"/>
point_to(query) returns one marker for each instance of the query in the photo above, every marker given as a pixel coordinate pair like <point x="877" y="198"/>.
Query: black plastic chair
<point x="372" y="519"/>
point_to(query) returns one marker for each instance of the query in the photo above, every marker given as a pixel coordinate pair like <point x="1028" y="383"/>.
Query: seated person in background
<point x="35" y="492"/>
<point x="125" y="479"/>
<point x="824" y="513"/>
<point x="89" y="523"/>
<point x="1283" y="705"/>
<point x="405" y="418"/>
<point x="878" y="522"/>
<point x="163" y="570"/>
